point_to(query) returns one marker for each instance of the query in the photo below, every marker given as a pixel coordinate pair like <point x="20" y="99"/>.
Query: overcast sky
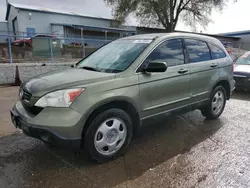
<point x="233" y="18"/>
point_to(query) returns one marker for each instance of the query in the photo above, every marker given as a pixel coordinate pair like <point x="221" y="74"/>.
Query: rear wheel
<point x="108" y="135"/>
<point x="216" y="104"/>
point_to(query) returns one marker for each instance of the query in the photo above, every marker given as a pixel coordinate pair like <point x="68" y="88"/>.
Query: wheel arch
<point x="119" y="102"/>
<point x="226" y="85"/>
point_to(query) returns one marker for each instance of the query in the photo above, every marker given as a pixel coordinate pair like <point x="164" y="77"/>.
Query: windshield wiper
<point x="90" y="68"/>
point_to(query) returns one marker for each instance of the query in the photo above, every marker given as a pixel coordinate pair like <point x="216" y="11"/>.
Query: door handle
<point x="213" y="65"/>
<point x="182" y="71"/>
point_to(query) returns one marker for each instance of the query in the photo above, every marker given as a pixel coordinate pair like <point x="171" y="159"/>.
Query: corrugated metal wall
<point x="3" y="31"/>
<point x="71" y="32"/>
<point x="42" y="21"/>
<point x="13" y="13"/>
<point x="245" y="42"/>
<point x="3" y="26"/>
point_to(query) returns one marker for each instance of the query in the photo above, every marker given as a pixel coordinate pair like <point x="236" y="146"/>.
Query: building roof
<point x="94" y="28"/>
<point x="49" y="10"/>
<point x="236" y="33"/>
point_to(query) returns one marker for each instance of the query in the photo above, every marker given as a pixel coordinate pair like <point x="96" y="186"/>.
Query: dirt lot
<point x="184" y="151"/>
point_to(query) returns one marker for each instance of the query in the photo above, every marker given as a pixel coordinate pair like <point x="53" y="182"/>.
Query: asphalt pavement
<point x="184" y="151"/>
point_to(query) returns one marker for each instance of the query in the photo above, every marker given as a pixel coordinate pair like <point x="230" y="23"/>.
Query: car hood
<point x="242" y="69"/>
<point x="62" y="79"/>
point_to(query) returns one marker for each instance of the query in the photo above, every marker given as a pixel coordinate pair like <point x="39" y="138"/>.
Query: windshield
<point x="114" y="57"/>
<point x="244" y="59"/>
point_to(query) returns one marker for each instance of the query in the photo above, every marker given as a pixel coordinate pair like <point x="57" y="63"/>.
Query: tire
<point x="108" y="135"/>
<point x="212" y="110"/>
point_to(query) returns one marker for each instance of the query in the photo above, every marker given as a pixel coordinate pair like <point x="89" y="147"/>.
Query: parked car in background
<point x="27" y="42"/>
<point x="242" y="72"/>
<point x="101" y="102"/>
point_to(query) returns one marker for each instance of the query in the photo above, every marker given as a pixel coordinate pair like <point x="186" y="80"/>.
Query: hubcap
<point x="218" y="102"/>
<point x="110" y="136"/>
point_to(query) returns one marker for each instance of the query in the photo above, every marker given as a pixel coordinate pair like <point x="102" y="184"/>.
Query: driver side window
<point x="170" y="52"/>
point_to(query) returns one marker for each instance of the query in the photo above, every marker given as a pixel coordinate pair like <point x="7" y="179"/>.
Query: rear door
<point x="204" y="70"/>
<point x="163" y="92"/>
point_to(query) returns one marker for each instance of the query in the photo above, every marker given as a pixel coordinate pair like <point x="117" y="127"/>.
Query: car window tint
<point x="198" y="50"/>
<point x="217" y="53"/>
<point x="170" y="52"/>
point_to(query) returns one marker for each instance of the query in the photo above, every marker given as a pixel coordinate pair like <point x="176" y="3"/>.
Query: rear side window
<point x="170" y="51"/>
<point x="217" y="53"/>
<point x="198" y="50"/>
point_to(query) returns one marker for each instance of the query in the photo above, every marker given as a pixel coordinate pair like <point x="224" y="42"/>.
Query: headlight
<point x="61" y="98"/>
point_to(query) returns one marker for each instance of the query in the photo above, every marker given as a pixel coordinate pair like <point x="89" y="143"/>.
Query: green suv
<point x="101" y="102"/>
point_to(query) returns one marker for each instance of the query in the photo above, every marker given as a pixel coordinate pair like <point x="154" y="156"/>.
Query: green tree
<point x="166" y="13"/>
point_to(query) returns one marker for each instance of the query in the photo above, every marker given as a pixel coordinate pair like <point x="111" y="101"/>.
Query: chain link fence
<point x="47" y="48"/>
<point x="44" y="48"/>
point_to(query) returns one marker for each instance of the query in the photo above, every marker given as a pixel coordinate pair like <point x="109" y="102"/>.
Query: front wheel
<point x="108" y="135"/>
<point x="216" y="104"/>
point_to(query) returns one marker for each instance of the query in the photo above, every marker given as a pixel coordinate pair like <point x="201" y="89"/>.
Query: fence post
<point x="51" y="50"/>
<point x="83" y="48"/>
<point x="9" y="49"/>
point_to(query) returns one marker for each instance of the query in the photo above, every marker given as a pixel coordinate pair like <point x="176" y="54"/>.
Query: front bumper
<point x="245" y="86"/>
<point x="242" y="83"/>
<point x="65" y="134"/>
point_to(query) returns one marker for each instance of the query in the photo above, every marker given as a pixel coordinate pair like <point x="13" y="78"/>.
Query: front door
<point x="167" y="91"/>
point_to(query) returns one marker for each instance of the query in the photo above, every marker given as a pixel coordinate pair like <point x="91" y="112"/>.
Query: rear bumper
<point x="50" y="135"/>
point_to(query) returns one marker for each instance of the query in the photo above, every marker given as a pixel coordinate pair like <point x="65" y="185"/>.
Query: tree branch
<point x="166" y="12"/>
<point x="178" y="9"/>
<point x="162" y="21"/>
<point x="181" y="8"/>
<point x="175" y="1"/>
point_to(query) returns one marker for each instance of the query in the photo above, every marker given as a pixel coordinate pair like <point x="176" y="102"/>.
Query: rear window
<point x="198" y="50"/>
<point x="217" y="53"/>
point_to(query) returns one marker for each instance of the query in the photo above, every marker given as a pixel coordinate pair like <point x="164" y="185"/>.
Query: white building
<point x="26" y="21"/>
<point x="3" y="31"/>
<point x="244" y="42"/>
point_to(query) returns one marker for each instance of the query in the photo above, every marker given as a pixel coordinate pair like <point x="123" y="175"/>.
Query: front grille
<point x="240" y="80"/>
<point x="26" y="100"/>
<point x="32" y="109"/>
<point x="26" y="96"/>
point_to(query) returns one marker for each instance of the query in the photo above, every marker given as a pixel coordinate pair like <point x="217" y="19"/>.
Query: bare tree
<point x="166" y="13"/>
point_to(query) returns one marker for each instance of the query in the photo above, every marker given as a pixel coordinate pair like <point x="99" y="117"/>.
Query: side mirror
<point x="156" y="67"/>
